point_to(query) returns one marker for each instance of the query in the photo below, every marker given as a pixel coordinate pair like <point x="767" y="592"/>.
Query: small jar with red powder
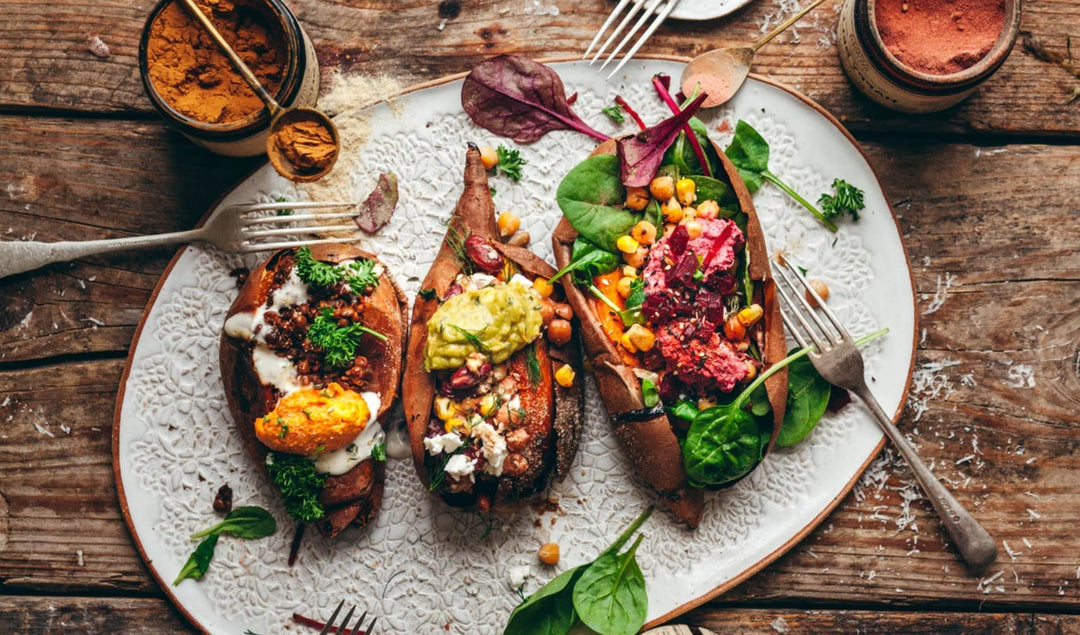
<point x="924" y="55"/>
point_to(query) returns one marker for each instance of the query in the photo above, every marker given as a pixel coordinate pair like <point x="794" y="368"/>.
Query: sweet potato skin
<point x="351" y="500"/>
<point x="648" y="437"/>
<point x="475" y="214"/>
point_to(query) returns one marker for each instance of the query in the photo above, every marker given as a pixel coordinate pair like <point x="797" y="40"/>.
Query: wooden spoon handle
<point x="778" y="30"/>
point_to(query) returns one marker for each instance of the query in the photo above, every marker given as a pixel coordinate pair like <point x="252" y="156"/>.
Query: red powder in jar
<point x="939" y="37"/>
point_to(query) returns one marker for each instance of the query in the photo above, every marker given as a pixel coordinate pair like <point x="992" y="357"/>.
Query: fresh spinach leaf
<point x="710" y="189"/>
<point x="588" y="261"/>
<point x="549" y="611"/>
<point x="590" y="196"/>
<point x="243" y="522"/>
<point x="653" y="214"/>
<point x="808" y="396"/>
<point x="724" y="445"/>
<point x="681" y="160"/>
<point x="630" y="315"/>
<point x="610" y="596"/>
<point x="650" y="393"/>
<point x="750" y="153"/>
<point x="199" y="561"/>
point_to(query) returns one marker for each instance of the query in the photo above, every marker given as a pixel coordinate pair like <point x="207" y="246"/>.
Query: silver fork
<point x="840" y="363"/>
<point x="635" y="6"/>
<point x="343" y="628"/>
<point x="236" y="228"/>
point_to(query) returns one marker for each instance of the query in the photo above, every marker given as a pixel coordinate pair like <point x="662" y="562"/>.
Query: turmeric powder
<point x="193" y="76"/>
<point x="306" y="144"/>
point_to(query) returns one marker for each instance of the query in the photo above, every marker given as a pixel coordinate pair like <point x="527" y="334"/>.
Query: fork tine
<point x="303" y="229"/>
<point x="333" y="616"/>
<point x="253" y="247"/>
<point x="821" y="303"/>
<point x="371" y="627"/>
<point x="345" y="621"/>
<point x="611" y="18"/>
<point x="794" y="310"/>
<point x="622" y="25"/>
<point x="245" y="208"/>
<point x="270" y="220"/>
<point x="646" y="35"/>
<point x="789" y="327"/>
<point x="630" y="34"/>
<point x="356" y="627"/>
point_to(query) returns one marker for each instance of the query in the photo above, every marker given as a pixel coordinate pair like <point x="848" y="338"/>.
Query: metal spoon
<point x="721" y="72"/>
<point x="280" y="116"/>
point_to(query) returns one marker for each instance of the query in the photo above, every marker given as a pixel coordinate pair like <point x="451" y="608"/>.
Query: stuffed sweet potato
<point x="492" y="390"/>
<point x="311" y="360"/>
<point x="678" y="316"/>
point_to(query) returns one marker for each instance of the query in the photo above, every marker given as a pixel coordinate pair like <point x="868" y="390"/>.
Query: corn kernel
<point x="549" y="553"/>
<point x="636" y="259"/>
<point x="693" y="228"/>
<point x="543" y="288"/>
<point x="488" y="157"/>
<point x="750" y="315"/>
<point x="686" y="190"/>
<point x="734" y="330"/>
<point x="444" y="408"/>
<point x="629" y="271"/>
<point x="508" y="224"/>
<point x="627" y="343"/>
<point x="672" y="211"/>
<point x="641" y="337"/>
<point x="705" y="403"/>
<point x="623" y="287"/>
<point x="565" y="376"/>
<point x="637" y="198"/>
<point x="708" y="209"/>
<point x="456" y="423"/>
<point x="662" y="188"/>
<point x="644" y="232"/>
<point x="487" y="404"/>
<point x="627" y="244"/>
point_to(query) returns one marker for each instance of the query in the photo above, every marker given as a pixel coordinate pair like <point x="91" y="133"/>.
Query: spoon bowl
<point x="718" y="73"/>
<point x="322" y="129"/>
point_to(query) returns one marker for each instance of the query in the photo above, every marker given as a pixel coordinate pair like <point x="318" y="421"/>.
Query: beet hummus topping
<point x="686" y="281"/>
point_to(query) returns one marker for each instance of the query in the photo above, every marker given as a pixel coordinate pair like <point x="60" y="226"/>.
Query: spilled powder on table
<point x="345" y="102"/>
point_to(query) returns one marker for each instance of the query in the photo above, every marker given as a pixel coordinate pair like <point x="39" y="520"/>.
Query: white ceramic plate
<point x="423" y="566"/>
<point x="706" y="9"/>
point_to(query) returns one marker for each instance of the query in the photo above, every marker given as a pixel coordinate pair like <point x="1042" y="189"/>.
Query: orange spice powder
<point x="939" y="37"/>
<point x="193" y="76"/>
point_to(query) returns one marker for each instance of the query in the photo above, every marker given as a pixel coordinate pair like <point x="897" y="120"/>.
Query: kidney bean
<point x="463" y="379"/>
<point x="452" y="290"/>
<point x="482" y="254"/>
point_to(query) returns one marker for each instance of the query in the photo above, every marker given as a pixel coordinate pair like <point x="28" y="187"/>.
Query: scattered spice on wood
<point x="306" y="144"/>
<point x="939" y="37"/>
<point x="192" y="75"/>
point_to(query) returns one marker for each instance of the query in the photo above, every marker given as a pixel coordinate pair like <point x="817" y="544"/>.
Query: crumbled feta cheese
<point x="494" y="447"/>
<point x="460" y="466"/>
<point x="443" y="443"/>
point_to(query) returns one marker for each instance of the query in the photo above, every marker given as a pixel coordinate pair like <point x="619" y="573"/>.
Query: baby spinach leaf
<point x="521" y="99"/>
<point x="588" y="261"/>
<point x="653" y="214"/>
<point x="640" y="155"/>
<point x="549" y="611"/>
<point x="808" y="396"/>
<point x="243" y="522"/>
<point x="199" y="561"/>
<point x="750" y="153"/>
<point x="610" y="596"/>
<point x="709" y="189"/>
<point x="590" y="196"/>
<point x="681" y="159"/>
<point x="722" y="445"/>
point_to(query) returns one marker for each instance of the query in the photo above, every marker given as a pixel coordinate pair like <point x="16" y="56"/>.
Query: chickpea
<point x="637" y="198"/>
<point x="822" y="290"/>
<point x="564" y="311"/>
<point x="624" y="285"/>
<point x="644" y="232"/>
<point x="549" y="553"/>
<point x="559" y="332"/>
<point x="547" y="310"/>
<point x="693" y="228"/>
<point x="672" y="210"/>
<point x="636" y="259"/>
<point x="488" y="157"/>
<point x="734" y="330"/>
<point x="508" y="223"/>
<point x="662" y="188"/>
<point x="708" y="209"/>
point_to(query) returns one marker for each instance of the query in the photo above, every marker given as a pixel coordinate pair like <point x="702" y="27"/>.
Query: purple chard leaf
<point x="641" y="154"/>
<point x="379" y="206"/>
<point x="521" y="99"/>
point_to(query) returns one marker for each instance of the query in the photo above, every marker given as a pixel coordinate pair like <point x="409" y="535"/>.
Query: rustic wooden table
<point x="987" y="196"/>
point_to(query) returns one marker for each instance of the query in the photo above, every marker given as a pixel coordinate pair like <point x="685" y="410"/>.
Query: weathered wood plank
<point x="59" y="615"/>
<point x="47" y="62"/>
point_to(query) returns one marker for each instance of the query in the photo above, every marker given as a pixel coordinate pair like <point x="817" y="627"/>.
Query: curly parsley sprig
<point x="510" y="161"/>
<point x="361" y="275"/>
<point x="338" y="343"/>
<point x="848" y="200"/>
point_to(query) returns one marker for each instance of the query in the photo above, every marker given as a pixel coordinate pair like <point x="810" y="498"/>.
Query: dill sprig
<point x="456" y="242"/>
<point x="439" y="475"/>
<point x="338" y="343"/>
<point x="510" y="161"/>
<point x="473" y="337"/>
<point x="848" y="200"/>
<point x="532" y="364"/>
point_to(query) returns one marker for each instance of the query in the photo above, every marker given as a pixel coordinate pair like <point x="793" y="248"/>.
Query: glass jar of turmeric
<point x="193" y="85"/>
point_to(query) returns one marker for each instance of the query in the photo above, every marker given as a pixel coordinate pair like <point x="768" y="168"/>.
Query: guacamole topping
<point x="497" y="321"/>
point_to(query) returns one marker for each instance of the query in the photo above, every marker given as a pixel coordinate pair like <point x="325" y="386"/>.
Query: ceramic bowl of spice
<point x="922" y="56"/>
<point x="193" y="85"/>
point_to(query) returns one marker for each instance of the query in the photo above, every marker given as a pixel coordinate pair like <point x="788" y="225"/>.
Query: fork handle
<point x="18" y="256"/>
<point x="976" y="544"/>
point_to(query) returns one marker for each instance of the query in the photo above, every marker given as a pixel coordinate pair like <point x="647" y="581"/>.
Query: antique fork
<point x="840" y="363"/>
<point x="635" y="7"/>
<point x="343" y="628"/>
<point x="237" y="228"/>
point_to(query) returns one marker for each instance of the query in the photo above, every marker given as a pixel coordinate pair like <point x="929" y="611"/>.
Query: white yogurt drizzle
<point x="341" y="461"/>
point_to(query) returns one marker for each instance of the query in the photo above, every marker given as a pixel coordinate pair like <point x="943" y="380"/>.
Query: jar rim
<point x="252" y="124"/>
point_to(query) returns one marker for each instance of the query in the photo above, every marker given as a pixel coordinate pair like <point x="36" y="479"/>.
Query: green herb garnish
<point x="438" y="475"/>
<point x="378" y="451"/>
<point x="243" y="522"/>
<point x="338" y="343"/>
<point x="286" y="211"/>
<point x="199" y="561"/>
<point x="848" y="200"/>
<point x="456" y="242"/>
<point x="473" y="338"/>
<point x="361" y="276"/>
<point x="428" y="294"/>
<point x="532" y="364"/>
<point x="510" y="161"/>
<point x="315" y="272"/>
<point x="615" y="112"/>
<point x="299" y="483"/>
<point x="650" y="393"/>
<point x="631" y="315"/>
